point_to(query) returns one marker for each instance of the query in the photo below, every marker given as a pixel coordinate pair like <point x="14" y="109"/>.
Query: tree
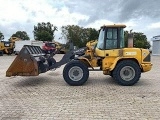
<point x="139" y="40"/>
<point x="21" y="34"/>
<point x="78" y="35"/>
<point x="1" y="36"/>
<point x="44" y="31"/>
<point x="93" y="33"/>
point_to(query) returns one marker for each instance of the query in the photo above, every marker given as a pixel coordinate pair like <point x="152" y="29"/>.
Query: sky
<point x="21" y="15"/>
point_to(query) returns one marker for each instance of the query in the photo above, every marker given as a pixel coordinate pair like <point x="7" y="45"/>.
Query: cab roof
<point x="115" y="25"/>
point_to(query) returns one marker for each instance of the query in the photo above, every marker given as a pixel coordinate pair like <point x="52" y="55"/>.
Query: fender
<point x="118" y="59"/>
<point x="85" y="61"/>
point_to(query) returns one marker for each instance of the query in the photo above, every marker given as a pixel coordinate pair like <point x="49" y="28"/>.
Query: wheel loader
<point x="60" y="48"/>
<point x="107" y="54"/>
<point x="8" y="46"/>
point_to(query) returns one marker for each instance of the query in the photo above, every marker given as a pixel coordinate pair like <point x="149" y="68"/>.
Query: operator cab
<point x="110" y="37"/>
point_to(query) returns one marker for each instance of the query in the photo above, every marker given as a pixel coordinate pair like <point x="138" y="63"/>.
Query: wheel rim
<point x="75" y="73"/>
<point x="127" y="73"/>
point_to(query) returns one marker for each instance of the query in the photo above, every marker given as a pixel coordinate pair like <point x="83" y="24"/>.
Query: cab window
<point x="111" y="39"/>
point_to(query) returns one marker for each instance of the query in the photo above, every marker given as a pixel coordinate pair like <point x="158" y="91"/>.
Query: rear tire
<point x="127" y="73"/>
<point x="75" y="73"/>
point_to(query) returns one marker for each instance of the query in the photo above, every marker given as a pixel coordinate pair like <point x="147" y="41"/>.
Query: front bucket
<point x="26" y="63"/>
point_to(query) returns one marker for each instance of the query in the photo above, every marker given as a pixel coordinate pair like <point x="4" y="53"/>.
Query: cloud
<point x="154" y="25"/>
<point x="103" y="9"/>
<point x="133" y="9"/>
<point x="139" y="15"/>
<point x="98" y="23"/>
<point x="116" y="11"/>
<point x="23" y="15"/>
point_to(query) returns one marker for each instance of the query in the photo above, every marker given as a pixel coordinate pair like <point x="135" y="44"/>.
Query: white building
<point x="156" y="45"/>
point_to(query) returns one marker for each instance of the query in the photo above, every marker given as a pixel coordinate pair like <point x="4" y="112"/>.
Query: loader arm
<point x="68" y="57"/>
<point x="31" y="61"/>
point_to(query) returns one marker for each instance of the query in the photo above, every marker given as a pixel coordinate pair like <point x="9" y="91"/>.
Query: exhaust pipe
<point x="130" y="40"/>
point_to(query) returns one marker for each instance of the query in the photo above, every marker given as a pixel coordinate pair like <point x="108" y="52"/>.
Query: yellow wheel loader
<point x="107" y="54"/>
<point x="60" y="49"/>
<point x="8" y="46"/>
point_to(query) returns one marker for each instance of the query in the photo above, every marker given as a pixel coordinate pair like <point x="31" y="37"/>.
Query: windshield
<point x="100" y="44"/>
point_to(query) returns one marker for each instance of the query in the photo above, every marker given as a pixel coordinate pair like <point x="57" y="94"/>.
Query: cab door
<point x="111" y="40"/>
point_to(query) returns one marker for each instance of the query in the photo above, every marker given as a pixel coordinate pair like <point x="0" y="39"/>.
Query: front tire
<point x="1" y="53"/>
<point x="127" y="73"/>
<point x="75" y="73"/>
